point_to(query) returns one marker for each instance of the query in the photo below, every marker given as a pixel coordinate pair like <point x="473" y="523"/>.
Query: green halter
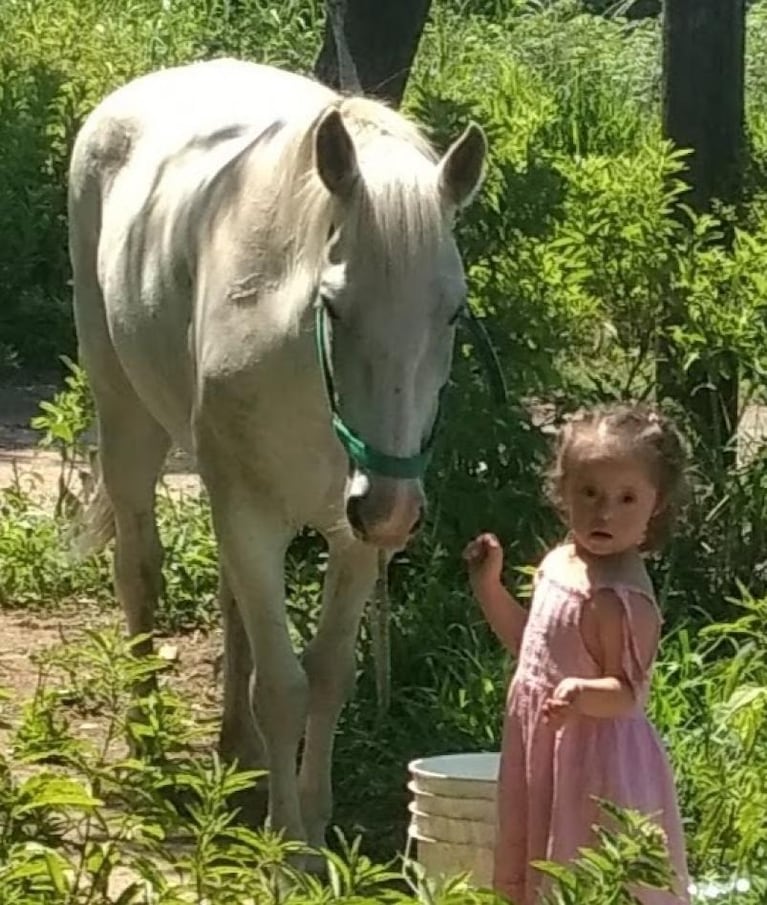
<point x="361" y="453"/>
<point x="367" y="457"/>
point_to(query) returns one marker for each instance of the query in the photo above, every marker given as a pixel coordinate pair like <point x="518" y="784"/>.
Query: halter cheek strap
<point x="364" y="456"/>
<point x="367" y="457"/>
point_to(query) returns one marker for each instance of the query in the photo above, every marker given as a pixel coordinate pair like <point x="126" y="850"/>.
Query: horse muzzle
<point x="384" y="512"/>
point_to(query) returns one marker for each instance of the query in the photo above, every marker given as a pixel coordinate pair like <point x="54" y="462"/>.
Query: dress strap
<point x="641" y="633"/>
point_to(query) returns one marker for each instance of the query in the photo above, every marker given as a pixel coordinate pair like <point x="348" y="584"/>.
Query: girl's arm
<point x="612" y="695"/>
<point x="624" y="650"/>
<point x="484" y="556"/>
<point x="506" y="617"/>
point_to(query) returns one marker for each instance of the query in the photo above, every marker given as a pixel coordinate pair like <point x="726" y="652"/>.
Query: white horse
<point x="227" y="221"/>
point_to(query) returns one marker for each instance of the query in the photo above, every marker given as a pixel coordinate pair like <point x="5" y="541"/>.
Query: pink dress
<point x="547" y="777"/>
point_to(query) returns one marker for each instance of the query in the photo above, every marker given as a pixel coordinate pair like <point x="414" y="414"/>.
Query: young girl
<point x="575" y="726"/>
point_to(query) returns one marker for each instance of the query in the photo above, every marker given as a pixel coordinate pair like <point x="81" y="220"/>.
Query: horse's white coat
<point x="210" y="206"/>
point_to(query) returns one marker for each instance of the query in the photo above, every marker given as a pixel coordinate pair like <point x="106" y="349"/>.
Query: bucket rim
<point x="420" y="766"/>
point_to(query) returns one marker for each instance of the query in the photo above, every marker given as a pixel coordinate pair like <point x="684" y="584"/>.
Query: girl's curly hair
<point x="646" y="432"/>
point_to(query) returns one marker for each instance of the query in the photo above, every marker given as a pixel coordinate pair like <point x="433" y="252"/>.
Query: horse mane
<point x="395" y="207"/>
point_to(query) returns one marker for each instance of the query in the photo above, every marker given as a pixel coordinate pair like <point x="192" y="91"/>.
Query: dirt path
<point x="25" y="633"/>
<point x="39" y="469"/>
<point x="24" y="636"/>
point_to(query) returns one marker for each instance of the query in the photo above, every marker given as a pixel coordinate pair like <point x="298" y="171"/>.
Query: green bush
<point x="57" y="60"/>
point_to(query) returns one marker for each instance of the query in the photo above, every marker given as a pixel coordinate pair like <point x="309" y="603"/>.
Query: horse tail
<point x="94" y="525"/>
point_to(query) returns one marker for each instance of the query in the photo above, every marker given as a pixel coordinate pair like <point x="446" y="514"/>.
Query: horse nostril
<point x="353" y="514"/>
<point x="418" y="523"/>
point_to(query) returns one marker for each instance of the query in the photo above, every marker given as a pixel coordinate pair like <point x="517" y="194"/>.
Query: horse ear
<point x="334" y="154"/>
<point x="462" y="167"/>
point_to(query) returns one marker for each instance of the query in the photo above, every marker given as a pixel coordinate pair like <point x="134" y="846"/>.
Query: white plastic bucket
<point x="452" y="829"/>
<point x="482" y="809"/>
<point x="452" y="814"/>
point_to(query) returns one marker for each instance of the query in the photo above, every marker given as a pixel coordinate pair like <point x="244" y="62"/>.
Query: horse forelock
<point x="394" y="214"/>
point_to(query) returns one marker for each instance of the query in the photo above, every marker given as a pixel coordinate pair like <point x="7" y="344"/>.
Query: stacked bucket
<point x="452" y="814"/>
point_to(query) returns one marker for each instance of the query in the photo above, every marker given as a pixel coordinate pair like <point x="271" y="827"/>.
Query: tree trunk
<point x="703" y="63"/>
<point x="382" y="38"/>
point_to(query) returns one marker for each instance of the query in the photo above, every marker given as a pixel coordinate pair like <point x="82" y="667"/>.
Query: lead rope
<point x="380" y="612"/>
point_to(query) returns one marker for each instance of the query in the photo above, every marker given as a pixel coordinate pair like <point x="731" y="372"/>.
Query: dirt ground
<point x="25" y="633"/>
<point x="21" y="457"/>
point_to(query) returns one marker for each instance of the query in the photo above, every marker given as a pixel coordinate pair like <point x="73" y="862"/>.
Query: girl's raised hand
<point x="484" y="558"/>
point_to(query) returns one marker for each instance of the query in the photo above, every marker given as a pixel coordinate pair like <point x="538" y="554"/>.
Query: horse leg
<point x="253" y="539"/>
<point x="132" y="450"/>
<point x="329" y="660"/>
<point x="240" y="739"/>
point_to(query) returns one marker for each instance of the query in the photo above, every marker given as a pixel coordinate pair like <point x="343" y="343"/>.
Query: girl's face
<point x="609" y="498"/>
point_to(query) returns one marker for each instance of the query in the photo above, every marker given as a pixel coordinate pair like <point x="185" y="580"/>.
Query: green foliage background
<point x="572" y="250"/>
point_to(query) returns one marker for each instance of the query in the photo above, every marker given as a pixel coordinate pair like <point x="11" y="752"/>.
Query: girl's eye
<point x="589" y="492"/>
<point x="629" y="498"/>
